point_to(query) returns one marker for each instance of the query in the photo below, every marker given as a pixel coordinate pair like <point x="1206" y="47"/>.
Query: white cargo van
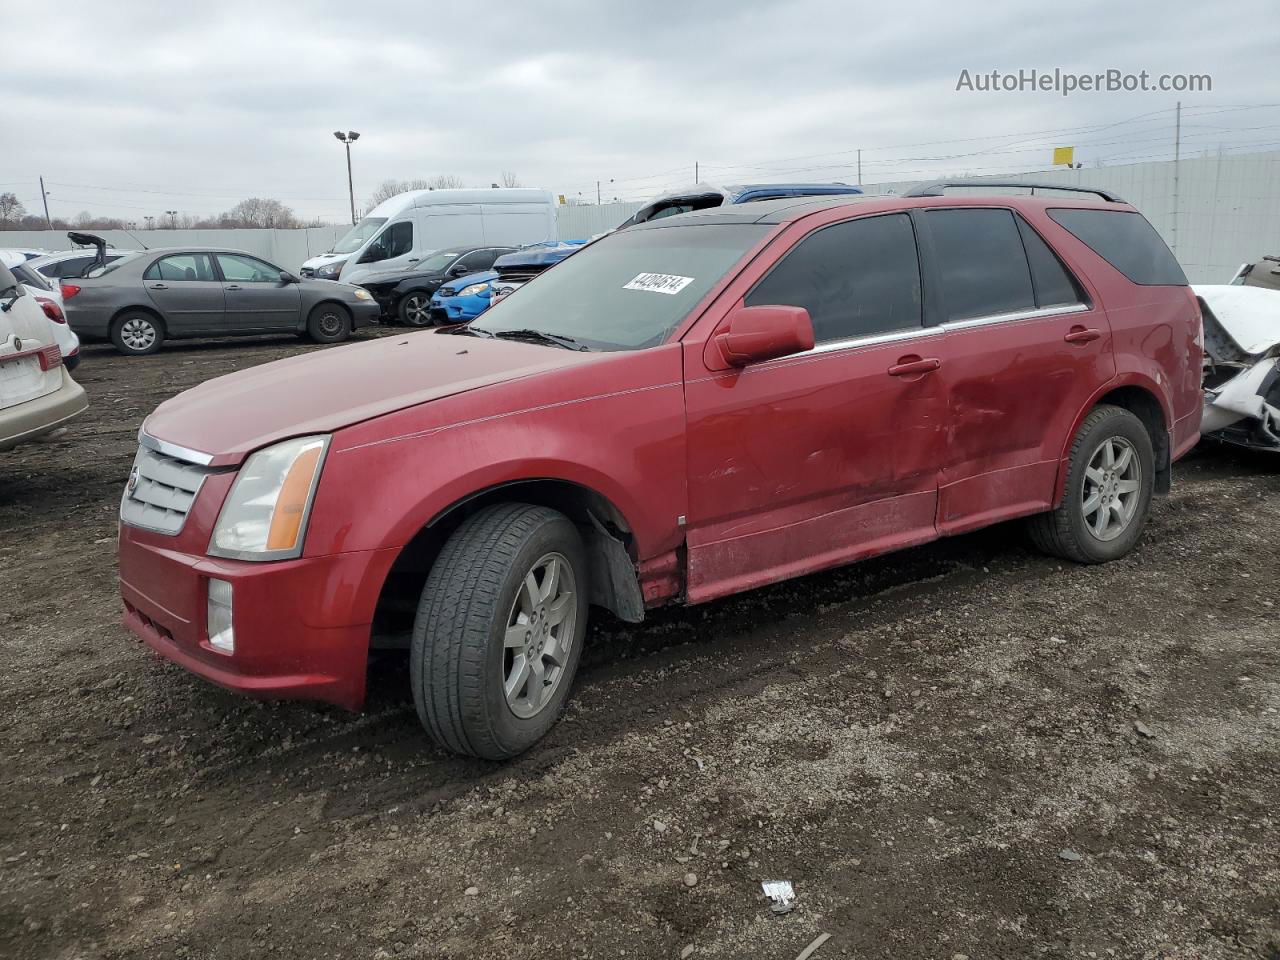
<point x="403" y="230"/>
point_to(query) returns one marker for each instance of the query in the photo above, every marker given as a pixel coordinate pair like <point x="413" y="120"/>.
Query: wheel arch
<point x="608" y="536"/>
<point x="1145" y="400"/>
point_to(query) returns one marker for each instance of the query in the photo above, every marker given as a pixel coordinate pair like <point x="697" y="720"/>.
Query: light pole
<point x="173" y="219"/>
<point x="348" y="139"/>
<point x="150" y="220"/>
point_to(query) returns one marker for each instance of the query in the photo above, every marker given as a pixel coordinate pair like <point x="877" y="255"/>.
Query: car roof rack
<point x="935" y="189"/>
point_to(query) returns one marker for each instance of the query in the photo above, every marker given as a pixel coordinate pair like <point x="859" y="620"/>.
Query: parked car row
<point x="686" y="408"/>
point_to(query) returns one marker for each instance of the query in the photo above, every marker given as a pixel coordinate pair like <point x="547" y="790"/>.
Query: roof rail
<point x="935" y="189"/>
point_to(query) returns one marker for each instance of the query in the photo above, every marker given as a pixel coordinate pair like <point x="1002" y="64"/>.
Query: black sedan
<point x="406" y="294"/>
<point x="143" y="299"/>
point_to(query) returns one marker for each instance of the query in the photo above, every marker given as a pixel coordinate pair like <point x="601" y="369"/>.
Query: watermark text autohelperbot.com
<point x="1067" y="83"/>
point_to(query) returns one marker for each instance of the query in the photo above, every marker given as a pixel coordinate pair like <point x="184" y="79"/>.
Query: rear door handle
<point x="159" y="286"/>
<point x="906" y="366"/>
<point x="1080" y="334"/>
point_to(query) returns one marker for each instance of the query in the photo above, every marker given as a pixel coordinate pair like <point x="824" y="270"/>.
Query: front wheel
<point x="1110" y="480"/>
<point x="499" y="630"/>
<point x="415" y="309"/>
<point x="329" y="323"/>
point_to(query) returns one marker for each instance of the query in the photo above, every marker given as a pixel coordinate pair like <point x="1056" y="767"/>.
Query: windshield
<point x="627" y="291"/>
<point x="437" y="262"/>
<point x="355" y="238"/>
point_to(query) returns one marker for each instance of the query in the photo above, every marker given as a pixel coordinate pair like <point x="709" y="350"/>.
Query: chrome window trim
<point x="173" y="450"/>
<point x="997" y="318"/>
<point x="850" y="343"/>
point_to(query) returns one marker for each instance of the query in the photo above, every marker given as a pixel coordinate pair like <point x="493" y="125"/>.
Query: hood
<point x="463" y="282"/>
<point x="1250" y="316"/>
<point x="324" y="259"/>
<point x="230" y="417"/>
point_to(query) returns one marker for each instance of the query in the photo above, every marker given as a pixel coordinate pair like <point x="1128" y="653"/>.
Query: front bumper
<point x="301" y="626"/>
<point x="365" y="313"/>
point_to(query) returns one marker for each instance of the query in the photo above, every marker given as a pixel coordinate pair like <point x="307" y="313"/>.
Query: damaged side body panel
<point x="1242" y="364"/>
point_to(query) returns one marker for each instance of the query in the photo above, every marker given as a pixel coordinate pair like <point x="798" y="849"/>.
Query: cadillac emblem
<point x="133" y="481"/>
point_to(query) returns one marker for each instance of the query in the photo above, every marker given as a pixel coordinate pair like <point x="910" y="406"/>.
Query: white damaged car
<point x="1242" y="364"/>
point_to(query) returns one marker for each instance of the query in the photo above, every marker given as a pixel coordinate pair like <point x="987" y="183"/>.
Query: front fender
<point x="615" y="426"/>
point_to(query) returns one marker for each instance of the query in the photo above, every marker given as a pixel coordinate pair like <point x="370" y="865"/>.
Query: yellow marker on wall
<point x="1064" y="156"/>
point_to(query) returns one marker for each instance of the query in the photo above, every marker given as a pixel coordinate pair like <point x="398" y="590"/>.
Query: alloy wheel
<point x="416" y="311"/>
<point x="1112" y="488"/>
<point x="138" y="334"/>
<point x="539" y="635"/>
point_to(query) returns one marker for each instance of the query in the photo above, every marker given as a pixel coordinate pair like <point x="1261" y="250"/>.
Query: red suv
<point x="689" y="408"/>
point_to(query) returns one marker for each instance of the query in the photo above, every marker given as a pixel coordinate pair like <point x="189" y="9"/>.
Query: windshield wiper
<point x="540" y="336"/>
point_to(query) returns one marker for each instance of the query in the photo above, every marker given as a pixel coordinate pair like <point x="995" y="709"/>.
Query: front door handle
<point x="159" y="286"/>
<point x="1081" y="334"/>
<point x="908" y="366"/>
<point x="234" y="286"/>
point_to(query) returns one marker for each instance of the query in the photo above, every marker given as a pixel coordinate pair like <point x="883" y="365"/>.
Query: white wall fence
<point x="1228" y="206"/>
<point x="288" y="248"/>
<point x="1228" y="213"/>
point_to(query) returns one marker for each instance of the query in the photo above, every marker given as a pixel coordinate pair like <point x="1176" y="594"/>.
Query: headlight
<point x="472" y="290"/>
<point x="265" y="514"/>
<point x="330" y="270"/>
<point x="363" y="294"/>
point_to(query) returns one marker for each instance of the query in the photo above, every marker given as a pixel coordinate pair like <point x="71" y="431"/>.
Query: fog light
<point x="221" y="633"/>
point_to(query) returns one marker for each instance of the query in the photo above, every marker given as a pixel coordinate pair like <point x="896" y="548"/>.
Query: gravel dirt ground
<point x="966" y="749"/>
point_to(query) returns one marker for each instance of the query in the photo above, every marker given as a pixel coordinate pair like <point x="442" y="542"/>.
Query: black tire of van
<point x="1066" y="532"/>
<point x="462" y="658"/>
<point x="329" y="323"/>
<point x="137" y="333"/>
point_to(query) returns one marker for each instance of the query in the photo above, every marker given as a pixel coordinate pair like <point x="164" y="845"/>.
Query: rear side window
<point x="183" y="266"/>
<point x="1053" y="282"/>
<point x="856" y="279"/>
<point x="1126" y="241"/>
<point x="982" y="266"/>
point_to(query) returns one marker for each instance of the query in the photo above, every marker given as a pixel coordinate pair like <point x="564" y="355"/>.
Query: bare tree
<point x="11" y="208"/>
<point x="509" y="178"/>
<point x="258" y="212"/>
<point x="444" y="181"/>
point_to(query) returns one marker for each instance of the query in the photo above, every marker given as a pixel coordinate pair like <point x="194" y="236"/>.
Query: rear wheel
<point x="499" y="630"/>
<point x="329" y="323"/>
<point x="137" y="334"/>
<point x="415" y="309"/>
<point x="1110" y="481"/>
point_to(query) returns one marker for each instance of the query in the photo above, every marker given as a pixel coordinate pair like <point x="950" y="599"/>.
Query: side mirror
<point x="459" y="270"/>
<point x="287" y="277"/>
<point x="756" y="334"/>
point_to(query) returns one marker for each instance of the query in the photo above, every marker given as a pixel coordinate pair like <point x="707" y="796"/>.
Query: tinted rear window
<point x="1055" y="286"/>
<point x="1126" y="241"/>
<point x="981" y="262"/>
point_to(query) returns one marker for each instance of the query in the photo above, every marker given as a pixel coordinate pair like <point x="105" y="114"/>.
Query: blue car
<point x="516" y="269"/>
<point x="463" y="299"/>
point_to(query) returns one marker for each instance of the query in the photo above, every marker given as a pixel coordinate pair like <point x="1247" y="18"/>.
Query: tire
<point x="329" y="323"/>
<point x="137" y="333"/>
<point x="460" y="664"/>
<point x="1113" y="527"/>
<point x="414" y="309"/>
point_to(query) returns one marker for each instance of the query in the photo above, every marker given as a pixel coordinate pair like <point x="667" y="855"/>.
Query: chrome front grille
<point x="161" y="489"/>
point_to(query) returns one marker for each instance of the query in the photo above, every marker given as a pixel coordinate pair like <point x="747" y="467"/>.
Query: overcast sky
<point x="129" y="108"/>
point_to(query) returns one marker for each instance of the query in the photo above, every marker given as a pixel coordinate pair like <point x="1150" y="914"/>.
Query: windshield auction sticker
<point x="658" y="283"/>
